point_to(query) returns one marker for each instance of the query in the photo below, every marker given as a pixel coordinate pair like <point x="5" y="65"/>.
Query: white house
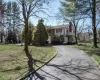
<point x="66" y="31"/>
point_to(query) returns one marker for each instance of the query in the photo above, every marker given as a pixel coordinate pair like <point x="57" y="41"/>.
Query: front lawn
<point x="13" y="62"/>
<point x="93" y="52"/>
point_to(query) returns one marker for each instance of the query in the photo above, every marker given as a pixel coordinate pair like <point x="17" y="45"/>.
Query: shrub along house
<point x="61" y="34"/>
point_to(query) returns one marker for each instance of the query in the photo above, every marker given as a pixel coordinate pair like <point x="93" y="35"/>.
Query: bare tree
<point x="69" y="12"/>
<point x="30" y="8"/>
<point x="1" y="20"/>
<point x="94" y="23"/>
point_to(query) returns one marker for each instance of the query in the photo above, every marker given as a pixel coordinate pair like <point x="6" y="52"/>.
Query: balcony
<point x="70" y="33"/>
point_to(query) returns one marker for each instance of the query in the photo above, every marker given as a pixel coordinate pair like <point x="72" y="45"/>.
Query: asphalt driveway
<point x="70" y="64"/>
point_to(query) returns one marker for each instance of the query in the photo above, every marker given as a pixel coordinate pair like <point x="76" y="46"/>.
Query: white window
<point x="58" y="30"/>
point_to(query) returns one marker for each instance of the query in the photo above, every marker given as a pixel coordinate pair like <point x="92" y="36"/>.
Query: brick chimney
<point x="70" y="27"/>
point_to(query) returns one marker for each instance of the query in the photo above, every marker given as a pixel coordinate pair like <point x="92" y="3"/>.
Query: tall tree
<point x="30" y="8"/>
<point x="15" y="15"/>
<point x="88" y="8"/>
<point x="12" y="15"/>
<point x="94" y="23"/>
<point x="40" y="35"/>
<point x="69" y="12"/>
<point x="1" y="20"/>
<point x="8" y="15"/>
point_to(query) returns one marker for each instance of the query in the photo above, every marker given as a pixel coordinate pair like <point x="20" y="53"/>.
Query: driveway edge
<point x="49" y="60"/>
<point x="95" y="61"/>
<point x="90" y="57"/>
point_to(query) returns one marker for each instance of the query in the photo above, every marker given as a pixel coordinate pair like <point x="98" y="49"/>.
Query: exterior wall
<point x="74" y="39"/>
<point x="68" y="34"/>
<point x="65" y="31"/>
<point x="59" y="33"/>
<point x="65" y="39"/>
<point x="70" y="39"/>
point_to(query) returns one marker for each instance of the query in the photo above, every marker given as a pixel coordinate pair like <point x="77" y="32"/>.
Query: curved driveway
<point x="79" y="65"/>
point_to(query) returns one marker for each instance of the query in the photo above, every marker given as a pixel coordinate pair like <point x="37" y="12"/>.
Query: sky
<point x="53" y="9"/>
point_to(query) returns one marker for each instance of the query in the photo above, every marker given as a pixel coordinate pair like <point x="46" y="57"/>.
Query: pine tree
<point x="11" y="38"/>
<point x="40" y="35"/>
<point x="12" y="15"/>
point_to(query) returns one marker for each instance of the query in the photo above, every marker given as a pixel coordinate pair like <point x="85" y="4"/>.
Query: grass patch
<point x="13" y="61"/>
<point x="93" y="52"/>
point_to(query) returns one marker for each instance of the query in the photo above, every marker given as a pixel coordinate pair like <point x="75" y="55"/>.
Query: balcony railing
<point x="70" y="33"/>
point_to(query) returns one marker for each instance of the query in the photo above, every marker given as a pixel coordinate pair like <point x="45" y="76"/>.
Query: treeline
<point x="14" y="31"/>
<point x="10" y="22"/>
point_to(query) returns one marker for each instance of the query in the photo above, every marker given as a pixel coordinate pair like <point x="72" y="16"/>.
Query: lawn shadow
<point x="89" y="49"/>
<point x="94" y="52"/>
<point x="42" y="45"/>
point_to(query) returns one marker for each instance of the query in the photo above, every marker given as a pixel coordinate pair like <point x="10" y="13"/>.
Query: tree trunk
<point x="94" y="23"/>
<point x="76" y="36"/>
<point x="29" y="56"/>
<point x="30" y="59"/>
<point x="76" y="42"/>
<point x="1" y="37"/>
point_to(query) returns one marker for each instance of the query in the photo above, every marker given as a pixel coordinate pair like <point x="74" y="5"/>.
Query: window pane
<point x="58" y="30"/>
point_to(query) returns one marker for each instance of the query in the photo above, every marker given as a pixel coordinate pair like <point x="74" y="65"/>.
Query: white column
<point x="49" y="39"/>
<point x="65" y="39"/>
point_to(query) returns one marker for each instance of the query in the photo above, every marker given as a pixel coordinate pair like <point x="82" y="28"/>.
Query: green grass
<point x="93" y="52"/>
<point x="13" y="61"/>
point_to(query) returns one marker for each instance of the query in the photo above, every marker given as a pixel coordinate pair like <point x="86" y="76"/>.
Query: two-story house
<point x="65" y="33"/>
